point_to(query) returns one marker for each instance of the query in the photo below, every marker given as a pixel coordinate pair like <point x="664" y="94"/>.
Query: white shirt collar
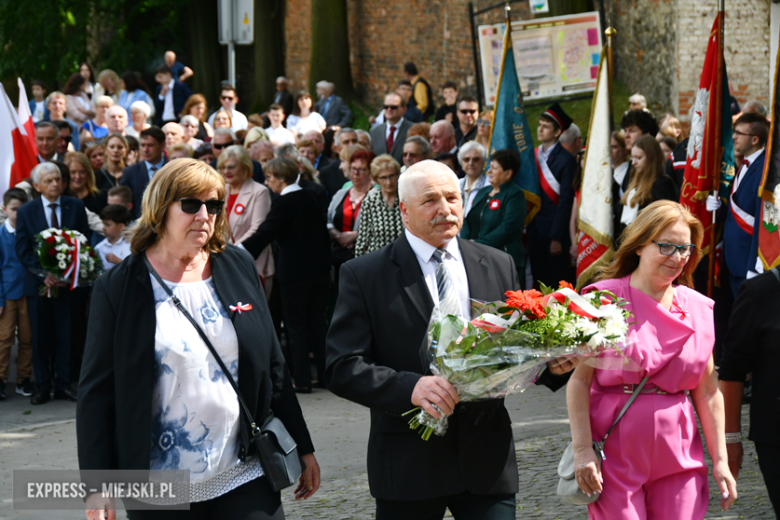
<point x="290" y="188"/>
<point x="46" y="202"/>
<point x="9" y="227"/>
<point x="546" y="154"/>
<point x="171" y="84"/>
<point x="753" y="157"/>
<point x="424" y="250"/>
<point x="397" y="125"/>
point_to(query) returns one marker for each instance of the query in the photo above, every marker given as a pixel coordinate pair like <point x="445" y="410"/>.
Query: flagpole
<point x="610" y="32"/>
<point x="716" y="167"/>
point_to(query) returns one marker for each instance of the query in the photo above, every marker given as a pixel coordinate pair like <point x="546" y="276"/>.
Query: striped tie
<point x="449" y="303"/>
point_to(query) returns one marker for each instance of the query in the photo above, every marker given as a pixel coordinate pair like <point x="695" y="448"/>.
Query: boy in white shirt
<point x="278" y="134"/>
<point x="114" y="248"/>
<point x="38" y="104"/>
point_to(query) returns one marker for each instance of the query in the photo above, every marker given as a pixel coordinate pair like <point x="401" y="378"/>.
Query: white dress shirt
<point x="168" y="112"/>
<point x="546" y="153"/>
<point x="453" y="262"/>
<point x="9" y="227"/>
<point x="280" y="136"/>
<point x="121" y="249"/>
<point x="744" y="168"/>
<point x="47" y="210"/>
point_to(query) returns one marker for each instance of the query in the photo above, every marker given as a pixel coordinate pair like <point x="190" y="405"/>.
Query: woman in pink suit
<point x="248" y="204"/>
<point x="654" y="467"/>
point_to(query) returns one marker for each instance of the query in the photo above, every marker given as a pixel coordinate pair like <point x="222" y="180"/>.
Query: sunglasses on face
<point x="483" y="122"/>
<point x="391" y="107"/>
<point x="226" y="98"/>
<point x="221" y="146"/>
<point x="192" y="206"/>
<point x="465" y="111"/>
<point x="66" y="138"/>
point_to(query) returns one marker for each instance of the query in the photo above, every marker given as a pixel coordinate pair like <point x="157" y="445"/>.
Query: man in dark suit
<point x="373" y="358"/>
<point x="283" y="97"/>
<point x="170" y="96"/>
<point x="390" y="136"/>
<point x="289" y="151"/>
<point x="315" y="136"/>
<point x="332" y="107"/>
<point x="50" y="318"/>
<point x="548" y="233"/>
<point x="137" y="176"/>
<point x="47" y="136"/>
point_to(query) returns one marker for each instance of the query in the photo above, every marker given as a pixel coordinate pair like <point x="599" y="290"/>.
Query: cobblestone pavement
<point x="349" y="498"/>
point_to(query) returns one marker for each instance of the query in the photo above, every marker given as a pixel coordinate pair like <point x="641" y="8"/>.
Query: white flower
<point x="596" y="340"/>
<point x="62" y="264"/>
<point x="568" y="330"/>
<point x="45" y="234"/>
<point x="61" y="256"/>
<point x="589" y="296"/>
<point x="586" y="327"/>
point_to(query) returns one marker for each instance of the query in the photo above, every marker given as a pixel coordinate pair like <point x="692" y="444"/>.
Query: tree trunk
<point x="268" y="51"/>
<point x="207" y="54"/>
<point x="330" y="46"/>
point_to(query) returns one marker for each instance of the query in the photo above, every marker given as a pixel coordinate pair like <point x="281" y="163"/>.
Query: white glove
<point x="713" y="203"/>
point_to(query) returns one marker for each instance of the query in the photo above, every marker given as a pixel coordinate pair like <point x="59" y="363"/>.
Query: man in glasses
<point x="739" y="247"/>
<point x="137" y="176"/>
<point x="229" y="99"/>
<point x="170" y="96"/>
<point x="65" y="137"/>
<point x="224" y="137"/>
<point x="389" y="137"/>
<point x="468" y="113"/>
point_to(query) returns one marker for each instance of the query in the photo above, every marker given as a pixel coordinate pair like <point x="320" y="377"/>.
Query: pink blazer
<point x="249" y="211"/>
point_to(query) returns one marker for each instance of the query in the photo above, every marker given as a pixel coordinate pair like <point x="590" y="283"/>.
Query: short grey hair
<point x="570" y="134"/>
<point x="225" y="131"/>
<point x="422" y="142"/>
<point x="345" y="130"/>
<point x="422" y="170"/>
<point x="322" y="84"/>
<point x="472" y="145"/>
<point x="189" y="119"/>
<point x="287" y="151"/>
<point x="117" y="108"/>
<point x="141" y="106"/>
<point x="756" y="107"/>
<point x="281" y="79"/>
<point x="363" y="132"/>
<point x="638" y="98"/>
<point x="44" y="168"/>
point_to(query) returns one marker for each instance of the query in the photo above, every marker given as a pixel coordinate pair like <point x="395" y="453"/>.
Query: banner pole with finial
<point x="610" y="33"/>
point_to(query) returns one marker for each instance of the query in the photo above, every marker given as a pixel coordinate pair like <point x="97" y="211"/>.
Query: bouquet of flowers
<point x="507" y="345"/>
<point x="66" y="254"/>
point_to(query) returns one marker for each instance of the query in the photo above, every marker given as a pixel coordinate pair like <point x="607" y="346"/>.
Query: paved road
<point x="340" y="431"/>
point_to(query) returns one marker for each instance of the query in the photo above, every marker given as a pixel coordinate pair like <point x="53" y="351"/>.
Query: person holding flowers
<point x="51" y="319"/>
<point x="373" y="358"/>
<point x="497" y="216"/>
<point x="653" y="463"/>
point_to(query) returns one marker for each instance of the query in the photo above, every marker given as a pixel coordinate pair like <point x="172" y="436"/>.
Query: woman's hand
<point x="587" y="471"/>
<point x="347" y="239"/>
<point x="309" y="482"/>
<point x="734" y="451"/>
<point x="97" y="504"/>
<point x="726" y="484"/>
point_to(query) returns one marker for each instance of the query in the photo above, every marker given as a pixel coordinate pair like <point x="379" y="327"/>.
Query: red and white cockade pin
<point x="241" y="307"/>
<point x="239" y="209"/>
<point x="494" y="204"/>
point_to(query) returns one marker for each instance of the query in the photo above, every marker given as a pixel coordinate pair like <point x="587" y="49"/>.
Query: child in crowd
<point x="38" y="103"/>
<point x="278" y="134"/>
<point x="114" y="248"/>
<point x="13" y="303"/>
<point x="121" y="195"/>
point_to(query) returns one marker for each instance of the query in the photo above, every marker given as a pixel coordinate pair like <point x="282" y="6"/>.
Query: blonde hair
<point x="182" y="147"/>
<point x="223" y="111"/>
<point x="383" y="163"/>
<point x="649" y="224"/>
<point x="178" y="179"/>
<point x="104" y="99"/>
<point x="253" y="135"/>
<point x="85" y="162"/>
<point x="241" y="156"/>
<point x="347" y="152"/>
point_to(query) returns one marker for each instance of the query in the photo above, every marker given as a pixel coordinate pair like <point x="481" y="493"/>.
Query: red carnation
<point x="527" y="301"/>
<point x="51" y="240"/>
<point x="563" y="284"/>
<point x="52" y="252"/>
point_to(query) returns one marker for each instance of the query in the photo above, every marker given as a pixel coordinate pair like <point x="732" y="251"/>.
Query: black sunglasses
<point x="467" y="111"/>
<point x="391" y="107"/>
<point x="221" y="146"/>
<point x="192" y="206"/>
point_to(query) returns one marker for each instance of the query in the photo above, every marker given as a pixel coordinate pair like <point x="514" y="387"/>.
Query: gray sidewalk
<point x="340" y="432"/>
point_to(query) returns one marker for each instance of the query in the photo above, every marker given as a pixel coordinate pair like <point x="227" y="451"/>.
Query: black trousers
<point x="769" y="462"/>
<point x="304" y="304"/>
<point x="464" y="506"/>
<point x="547" y="268"/>
<point x="254" y="500"/>
<point x="51" y="324"/>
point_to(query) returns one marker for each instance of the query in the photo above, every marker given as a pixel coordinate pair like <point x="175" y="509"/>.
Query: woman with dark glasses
<point x="152" y="395"/>
<point x="653" y="464"/>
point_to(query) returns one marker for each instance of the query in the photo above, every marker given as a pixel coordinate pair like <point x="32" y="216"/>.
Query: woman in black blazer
<point x="151" y="395"/>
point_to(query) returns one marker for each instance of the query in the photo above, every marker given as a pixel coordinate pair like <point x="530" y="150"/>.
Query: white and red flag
<point x="18" y="153"/>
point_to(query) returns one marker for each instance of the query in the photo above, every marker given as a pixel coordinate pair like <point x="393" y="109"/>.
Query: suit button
<point x="463" y="408"/>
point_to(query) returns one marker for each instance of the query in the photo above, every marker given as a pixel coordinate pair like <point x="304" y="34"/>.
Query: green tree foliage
<point x="330" y="46"/>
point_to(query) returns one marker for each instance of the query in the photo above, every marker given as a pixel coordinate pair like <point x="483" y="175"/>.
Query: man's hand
<point x="309" y="482"/>
<point x="50" y="281"/>
<point x="347" y="239"/>
<point x="97" y="505"/>
<point x="448" y="117"/>
<point x="433" y="390"/>
<point x="555" y="248"/>
<point x="371" y="120"/>
<point x="563" y="365"/>
<point x="111" y="257"/>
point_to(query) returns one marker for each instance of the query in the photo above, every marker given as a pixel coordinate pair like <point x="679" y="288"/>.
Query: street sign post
<point x="236" y="27"/>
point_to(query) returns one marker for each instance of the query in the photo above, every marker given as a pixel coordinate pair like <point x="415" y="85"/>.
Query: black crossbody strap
<point x="625" y="408"/>
<point x="178" y="304"/>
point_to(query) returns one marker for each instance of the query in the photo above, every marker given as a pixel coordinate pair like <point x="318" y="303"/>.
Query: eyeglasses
<point x="226" y="98"/>
<point x="740" y="134"/>
<point x="483" y="122"/>
<point x="221" y="146"/>
<point x="410" y="154"/>
<point x="667" y="249"/>
<point x="391" y="107"/>
<point x="66" y="138"/>
<point x="358" y="170"/>
<point x="465" y="111"/>
<point x="192" y="206"/>
<point x="387" y="178"/>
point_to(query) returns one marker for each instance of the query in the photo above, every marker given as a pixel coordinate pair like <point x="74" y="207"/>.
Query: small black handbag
<point x="276" y="448"/>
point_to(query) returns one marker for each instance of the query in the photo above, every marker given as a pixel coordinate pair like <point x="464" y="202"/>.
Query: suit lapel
<point x="477" y="271"/>
<point x="411" y="278"/>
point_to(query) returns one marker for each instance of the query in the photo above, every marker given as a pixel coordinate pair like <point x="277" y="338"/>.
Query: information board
<point x="554" y="56"/>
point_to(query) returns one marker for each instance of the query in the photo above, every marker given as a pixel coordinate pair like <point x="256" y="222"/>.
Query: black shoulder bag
<point x="276" y="448"/>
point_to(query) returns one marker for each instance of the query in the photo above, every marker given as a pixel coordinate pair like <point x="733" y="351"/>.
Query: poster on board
<point x="539" y="6"/>
<point x="555" y="56"/>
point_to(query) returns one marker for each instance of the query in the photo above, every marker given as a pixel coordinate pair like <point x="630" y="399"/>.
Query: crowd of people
<point x="338" y="222"/>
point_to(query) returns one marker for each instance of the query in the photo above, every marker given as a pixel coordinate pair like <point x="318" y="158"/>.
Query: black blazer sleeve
<point x="345" y="114"/>
<point x="159" y="107"/>
<point x="664" y="188"/>
<point x="352" y="372"/>
<point x="273" y="226"/>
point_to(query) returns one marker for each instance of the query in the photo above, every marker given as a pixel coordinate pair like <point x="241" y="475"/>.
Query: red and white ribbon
<point x="75" y="264"/>
<point x="577" y="303"/>
<point x="241" y="307"/>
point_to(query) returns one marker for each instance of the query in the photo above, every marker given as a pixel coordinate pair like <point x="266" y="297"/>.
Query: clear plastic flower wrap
<point x="507" y="345"/>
